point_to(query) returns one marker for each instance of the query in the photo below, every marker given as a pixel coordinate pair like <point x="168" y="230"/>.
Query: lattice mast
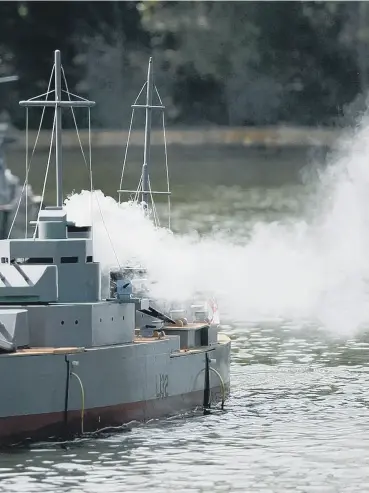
<point x="58" y="104"/>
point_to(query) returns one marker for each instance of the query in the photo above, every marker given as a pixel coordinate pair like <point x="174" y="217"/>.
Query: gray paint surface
<point x="105" y="357"/>
<point x="35" y="384"/>
<point x="82" y="351"/>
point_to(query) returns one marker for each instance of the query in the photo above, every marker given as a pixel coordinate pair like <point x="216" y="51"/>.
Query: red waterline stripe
<point x="36" y="427"/>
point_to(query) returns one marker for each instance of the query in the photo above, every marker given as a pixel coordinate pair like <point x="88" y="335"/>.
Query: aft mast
<point x="58" y="104"/>
<point x="144" y="188"/>
<point x="147" y="145"/>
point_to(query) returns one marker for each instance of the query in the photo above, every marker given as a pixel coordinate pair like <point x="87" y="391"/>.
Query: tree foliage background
<point x="216" y="62"/>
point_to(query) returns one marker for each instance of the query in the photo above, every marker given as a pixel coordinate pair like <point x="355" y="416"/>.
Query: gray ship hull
<point x="53" y="393"/>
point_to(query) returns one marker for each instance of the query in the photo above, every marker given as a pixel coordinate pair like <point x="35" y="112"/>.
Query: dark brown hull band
<point x="37" y="427"/>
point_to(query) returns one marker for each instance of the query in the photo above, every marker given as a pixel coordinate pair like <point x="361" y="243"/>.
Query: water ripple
<point x="297" y="420"/>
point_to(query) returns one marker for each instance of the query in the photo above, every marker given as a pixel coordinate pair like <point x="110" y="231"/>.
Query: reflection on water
<point x="298" y="415"/>
<point x="194" y="171"/>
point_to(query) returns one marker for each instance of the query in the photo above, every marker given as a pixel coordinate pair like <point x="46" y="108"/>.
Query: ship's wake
<point x="314" y="269"/>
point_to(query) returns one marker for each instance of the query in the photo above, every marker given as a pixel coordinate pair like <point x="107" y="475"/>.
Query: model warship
<point x="72" y="362"/>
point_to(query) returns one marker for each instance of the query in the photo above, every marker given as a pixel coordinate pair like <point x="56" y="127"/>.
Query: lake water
<point x="289" y="263"/>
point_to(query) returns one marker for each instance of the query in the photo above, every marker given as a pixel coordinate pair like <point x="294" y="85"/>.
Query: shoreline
<point x="265" y="137"/>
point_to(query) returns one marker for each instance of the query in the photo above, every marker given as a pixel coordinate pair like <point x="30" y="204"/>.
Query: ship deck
<point x="222" y="339"/>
